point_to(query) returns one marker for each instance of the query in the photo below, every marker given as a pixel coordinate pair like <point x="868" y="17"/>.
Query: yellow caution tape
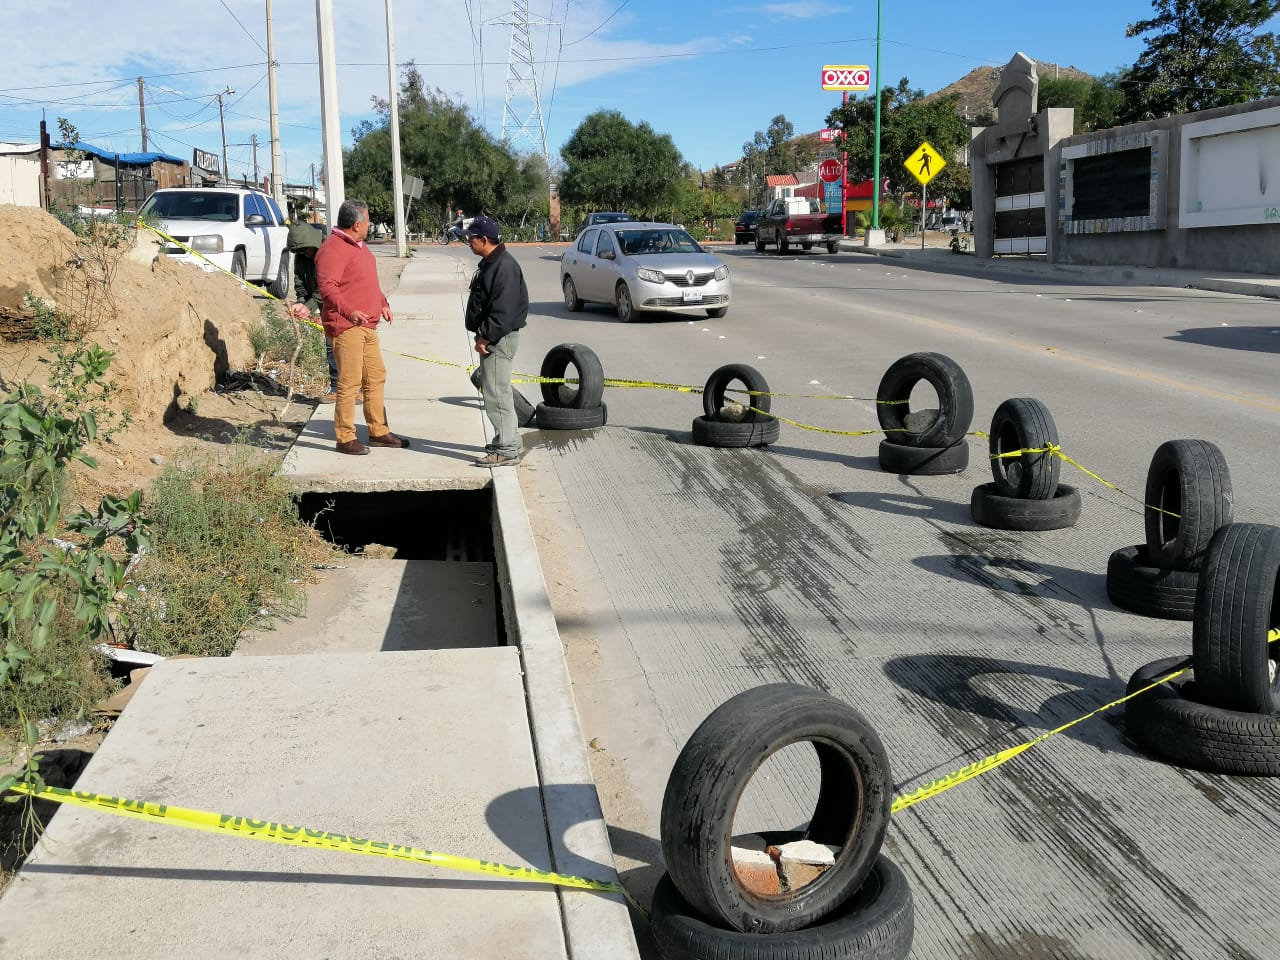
<point x="271" y="832"/>
<point x="964" y="774"/>
<point x="807" y="426"/>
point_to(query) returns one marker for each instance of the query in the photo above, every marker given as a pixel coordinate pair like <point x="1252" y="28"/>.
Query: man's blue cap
<point x="483" y="227"/>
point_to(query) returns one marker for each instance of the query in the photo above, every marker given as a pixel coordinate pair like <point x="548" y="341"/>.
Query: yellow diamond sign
<point x="925" y="163"/>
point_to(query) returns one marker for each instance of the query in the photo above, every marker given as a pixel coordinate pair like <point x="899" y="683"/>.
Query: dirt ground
<point x="187" y="375"/>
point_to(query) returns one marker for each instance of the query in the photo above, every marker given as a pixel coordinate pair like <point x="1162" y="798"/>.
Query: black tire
<point x="990" y="509"/>
<point x="572" y="302"/>
<point x="955" y="401"/>
<point x="589" y="390"/>
<point x="1151" y="591"/>
<point x="571" y="418"/>
<point x="752" y="380"/>
<point x="1169" y="723"/>
<point x="525" y="412"/>
<point x="759" y="245"/>
<point x="833" y="248"/>
<point x="806" y="246"/>
<point x="239" y="264"/>
<point x="715" y="313"/>
<point x="625" y="306"/>
<point x="923" y="461"/>
<point x="1236" y="608"/>
<point x="279" y="287"/>
<point x="1023" y="423"/>
<point x="442" y="238"/>
<point x="876" y="923"/>
<point x="715" y="766"/>
<point x="1188" y="478"/>
<point x="722" y="433"/>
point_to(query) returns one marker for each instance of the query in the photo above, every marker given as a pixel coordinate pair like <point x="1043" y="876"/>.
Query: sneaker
<point x="330" y="397"/>
<point x="389" y="440"/>
<point x="353" y="447"/>
<point x="496" y="459"/>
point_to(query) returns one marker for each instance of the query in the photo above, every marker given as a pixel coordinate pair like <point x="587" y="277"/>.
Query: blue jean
<point x="495" y="386"/>
<point x="333" y="365"/>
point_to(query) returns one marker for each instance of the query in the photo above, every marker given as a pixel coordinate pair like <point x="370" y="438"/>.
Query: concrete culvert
<point x="849" y="817"/>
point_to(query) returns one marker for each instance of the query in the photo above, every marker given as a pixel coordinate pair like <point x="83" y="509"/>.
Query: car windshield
<point x="636" y="243"/>
<point x="205" y="205"/>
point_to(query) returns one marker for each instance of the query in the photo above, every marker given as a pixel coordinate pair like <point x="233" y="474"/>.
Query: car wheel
<point x="571" y="299"/>
<point x="239" y="264"/>
<point x="626" y="309"/>
<point x="833" y="248"/>
<point x="715" y="313"/>
<point x="279" y="287"/>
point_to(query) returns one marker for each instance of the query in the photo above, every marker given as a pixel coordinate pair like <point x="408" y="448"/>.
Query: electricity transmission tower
<point x="522" y="105"/>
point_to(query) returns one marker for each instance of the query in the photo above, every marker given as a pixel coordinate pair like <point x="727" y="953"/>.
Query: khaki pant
<point x="359" y="367"/>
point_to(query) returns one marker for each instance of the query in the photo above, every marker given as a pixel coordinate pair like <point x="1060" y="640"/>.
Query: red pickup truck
<point x="798" y="221"/>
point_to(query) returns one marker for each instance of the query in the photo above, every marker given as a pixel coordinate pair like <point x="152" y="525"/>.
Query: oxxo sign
<point x="846" y="77"/>
<point x="829" y="171"/>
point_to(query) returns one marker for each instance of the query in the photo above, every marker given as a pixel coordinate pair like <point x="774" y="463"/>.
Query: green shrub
<point x="227" y="545"/>
<point x="277" y="337"/>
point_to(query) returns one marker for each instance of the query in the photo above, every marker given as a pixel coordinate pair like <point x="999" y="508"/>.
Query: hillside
<point x="976" y="88"/>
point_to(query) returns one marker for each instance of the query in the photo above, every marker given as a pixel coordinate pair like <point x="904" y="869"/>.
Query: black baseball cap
<point x="483" y="227"/>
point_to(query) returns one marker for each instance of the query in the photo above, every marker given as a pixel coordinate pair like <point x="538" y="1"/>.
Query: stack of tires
<point x="524" y="409"/>
<point x="1188" y="498"/>
<point x="729" y="422"/>
<point x="860" y="905"/>
<point x="924" y="442"/>
<point x="1225" y="717"/>
<point x="572" y="406"/>
<point x="1025" y="494"/>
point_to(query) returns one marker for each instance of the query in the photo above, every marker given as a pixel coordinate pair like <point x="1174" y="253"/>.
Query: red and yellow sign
<point x="843" y="77"/>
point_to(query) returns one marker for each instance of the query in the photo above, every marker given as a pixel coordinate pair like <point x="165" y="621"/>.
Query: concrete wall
<point x="20" y="180"/>
<point x="1169" y="239"/>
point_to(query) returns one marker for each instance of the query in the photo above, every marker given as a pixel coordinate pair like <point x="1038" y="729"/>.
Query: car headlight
<point x="207" y="243"/>
<point x="653" y="276"/>
<point x="722" y="272"/>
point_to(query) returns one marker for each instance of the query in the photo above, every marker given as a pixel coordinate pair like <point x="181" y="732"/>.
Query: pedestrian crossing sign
<point x="925" y="163"/>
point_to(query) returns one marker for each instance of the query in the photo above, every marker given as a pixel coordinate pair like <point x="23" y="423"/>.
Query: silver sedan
<point x="644" y="266"/>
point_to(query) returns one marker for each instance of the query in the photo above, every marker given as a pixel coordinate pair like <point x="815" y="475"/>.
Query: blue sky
<point x="708" y="72"/>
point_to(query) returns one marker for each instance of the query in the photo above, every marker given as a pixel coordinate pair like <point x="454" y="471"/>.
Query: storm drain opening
<point x="438" y="562"/>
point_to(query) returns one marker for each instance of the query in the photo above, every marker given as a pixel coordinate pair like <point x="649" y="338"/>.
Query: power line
<point x="242" y="26"/>
<point x="125" y="80"/>
<point x="602" y="23"/>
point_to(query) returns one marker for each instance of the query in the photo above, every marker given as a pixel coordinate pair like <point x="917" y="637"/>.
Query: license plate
<point x="692" y="296"/>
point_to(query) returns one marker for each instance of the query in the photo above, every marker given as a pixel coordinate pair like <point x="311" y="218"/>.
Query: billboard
<point x="843" y="77"/>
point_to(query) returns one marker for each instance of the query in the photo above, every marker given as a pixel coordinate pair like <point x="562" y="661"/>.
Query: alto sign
<point x="829" y="171"/>
<point x="846" y="77"/>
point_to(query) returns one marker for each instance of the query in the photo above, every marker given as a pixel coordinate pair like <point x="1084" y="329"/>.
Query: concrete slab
<point x="423" y="399"/>
<point x="373" y="605"/>
<point x="334" y="742"/>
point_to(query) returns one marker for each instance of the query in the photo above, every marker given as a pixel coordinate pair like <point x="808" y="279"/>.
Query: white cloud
<point x="802" y="9"/>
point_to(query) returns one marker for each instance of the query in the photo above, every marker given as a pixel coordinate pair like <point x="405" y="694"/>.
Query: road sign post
<point x="924" y="164"/>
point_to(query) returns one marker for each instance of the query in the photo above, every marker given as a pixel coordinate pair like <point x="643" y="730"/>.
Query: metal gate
<point x="1020" y="215"/>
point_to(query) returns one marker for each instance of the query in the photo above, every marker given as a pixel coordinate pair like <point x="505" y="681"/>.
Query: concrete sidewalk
<point x="943" y="259"/>
<point x="389" y="712"/>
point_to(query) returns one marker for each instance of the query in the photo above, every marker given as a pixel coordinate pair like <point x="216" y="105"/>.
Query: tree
<point x="460" y="164"/>
<point x="613" y="164"/>
<point x="1203" y="54"/>
<point x="1099" y="102"/>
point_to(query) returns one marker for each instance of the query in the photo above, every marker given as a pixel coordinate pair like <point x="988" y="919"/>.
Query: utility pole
<point x="277" y="184"/>
<point x="142" y="114"/>
<point x="397" y="170"/>
<point x="253" y="142"/>
<point x="334" y="188"/>
<point x="313" y="192"/>
<point x="222" y="120"/>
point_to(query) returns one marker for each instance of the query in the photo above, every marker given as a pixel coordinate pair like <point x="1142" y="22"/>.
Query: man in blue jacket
<point x="497" y="308"/>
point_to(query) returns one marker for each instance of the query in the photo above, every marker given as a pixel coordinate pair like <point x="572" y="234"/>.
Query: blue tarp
<point x="132" y="159"/>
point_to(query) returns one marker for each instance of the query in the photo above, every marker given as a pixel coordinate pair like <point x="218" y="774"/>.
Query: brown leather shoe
<point x="353" y="447"/>
<point x="389" y="440"/>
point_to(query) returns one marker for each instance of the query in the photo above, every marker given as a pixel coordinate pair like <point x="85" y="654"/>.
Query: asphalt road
<point x="682" y="575"/>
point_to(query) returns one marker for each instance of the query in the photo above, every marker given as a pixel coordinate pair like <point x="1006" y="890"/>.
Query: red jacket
<point x="348" y="282"/>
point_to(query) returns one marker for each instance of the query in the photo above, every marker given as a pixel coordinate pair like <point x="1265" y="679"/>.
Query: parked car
<point x="240" y="230"/>
<point x="800" y="221"/>
<point x="604" y="216"/>
<point x="644" y="266"/>
<point x="744" y="228"/>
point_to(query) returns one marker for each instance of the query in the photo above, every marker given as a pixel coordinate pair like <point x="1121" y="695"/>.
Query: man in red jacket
<point x="352" y="306"/>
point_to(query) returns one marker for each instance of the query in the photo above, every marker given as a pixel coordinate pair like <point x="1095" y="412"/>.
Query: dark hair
<point x="352" y="212"/>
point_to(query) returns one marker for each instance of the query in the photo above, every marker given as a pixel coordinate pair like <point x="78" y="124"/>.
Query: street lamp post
<point x="875" y="167"/>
